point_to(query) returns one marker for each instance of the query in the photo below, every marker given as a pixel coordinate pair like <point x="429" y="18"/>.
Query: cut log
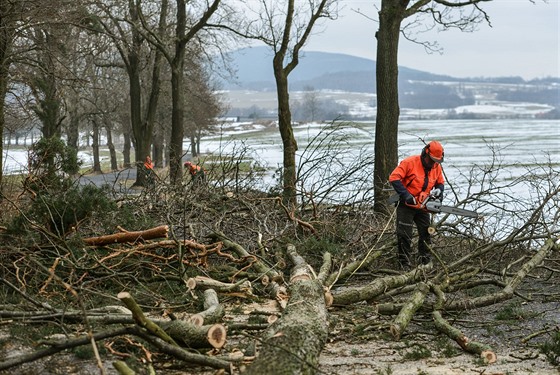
<point x="213" y="311"/>
<point x="191" y="336"/>
<point x="376" y="288"/>
<point x="141" y="319"/>
<point x="128" y="237"/>
<point x="184" y="355"/>
<point x="292" y="344"/>
<point x="485" y="351"/>
<point x="409" y="309"/>
<point x="203" y="282"/>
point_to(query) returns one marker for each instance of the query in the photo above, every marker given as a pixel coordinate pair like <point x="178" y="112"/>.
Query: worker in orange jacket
<point x="415" y="179"/>
<point x="149" y="169"/>
<point x="197" y="173"/>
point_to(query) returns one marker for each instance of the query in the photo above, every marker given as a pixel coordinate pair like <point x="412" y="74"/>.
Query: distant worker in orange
<point x="149" y="169"/>
<point x="415" y="179"/>
<point x="197" y="174"/>
<point x="149" y="164"/>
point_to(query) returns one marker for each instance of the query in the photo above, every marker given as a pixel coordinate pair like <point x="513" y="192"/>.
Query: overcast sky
<point x="523" y="41"/>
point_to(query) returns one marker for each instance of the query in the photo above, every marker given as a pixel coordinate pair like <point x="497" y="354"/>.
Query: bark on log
<point x="485" y="351"/>
<point x="376" y="288"/>
<point x="180" y="353"/>
<point x="409" y="309"/>
<point x="142" y="320"/>
<point x="213" y="311"/>
<point x="129" y="237"/>
<point x="202" y="282"/>
<point x="191" y="336"/>
<point x="293" y="343"/>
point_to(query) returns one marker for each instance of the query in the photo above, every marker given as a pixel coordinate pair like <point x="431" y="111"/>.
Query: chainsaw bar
<point x="436" y="206"/>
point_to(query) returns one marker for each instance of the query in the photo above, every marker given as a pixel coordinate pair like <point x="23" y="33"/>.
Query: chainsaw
<point x="432" y="204"/>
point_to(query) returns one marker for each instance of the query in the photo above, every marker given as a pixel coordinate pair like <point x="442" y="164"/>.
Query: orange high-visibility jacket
<point x="411" y="173"/>
<point x="194" y="169"/>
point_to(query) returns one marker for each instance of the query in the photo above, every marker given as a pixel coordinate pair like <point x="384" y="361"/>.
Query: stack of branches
<point x="212" y="246"/>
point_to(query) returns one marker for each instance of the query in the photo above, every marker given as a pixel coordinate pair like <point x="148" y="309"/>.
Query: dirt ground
<point x="382" y="355"/>
<point x="359" y="344"/>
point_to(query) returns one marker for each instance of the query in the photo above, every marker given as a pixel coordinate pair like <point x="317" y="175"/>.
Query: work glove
<point x="410" y="200"/>
<point x="436" y="193"/>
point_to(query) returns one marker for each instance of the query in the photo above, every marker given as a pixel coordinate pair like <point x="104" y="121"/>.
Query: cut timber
<point x="129" y="237"/>
<point x="184" y="355"/>
<point x="470" y="346"/>
<point x="141" y="319"/>
<point x="213" y="311"/>
<point x="409" y="309"/>
<point x="191" y="336"/>
<point x="292" y="344"/>
<point x="203" y="282"/>
<point x="376" y="288"/>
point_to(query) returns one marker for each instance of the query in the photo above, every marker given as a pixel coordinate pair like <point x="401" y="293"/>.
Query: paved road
<point x="117" y="180"/>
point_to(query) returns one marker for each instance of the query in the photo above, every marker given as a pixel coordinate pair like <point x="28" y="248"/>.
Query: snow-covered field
<point x="363" y="104"/>
<point x="517" y="144"/>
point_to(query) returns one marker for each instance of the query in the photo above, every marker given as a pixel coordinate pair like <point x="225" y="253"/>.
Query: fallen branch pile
<point x="170" y="283"/>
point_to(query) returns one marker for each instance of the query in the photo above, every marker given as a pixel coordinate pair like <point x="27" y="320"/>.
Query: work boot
<point x="403" y="262"/>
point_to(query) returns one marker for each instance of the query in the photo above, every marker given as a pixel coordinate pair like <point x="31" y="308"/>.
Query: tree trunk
<point x="287" y="133"/>
<point x="387" y="120"/>
<point x="95" y="146"/>
<point x="7" y="35"/>
<point x="112" y="152"/>
<point x="142" y="136"/>
<point x="293" y="343"/>
<point x="158" y="149"/>
<point x="126" y="148"/>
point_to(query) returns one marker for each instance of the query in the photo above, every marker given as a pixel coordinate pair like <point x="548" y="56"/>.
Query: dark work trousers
<point x="406" y="217"/>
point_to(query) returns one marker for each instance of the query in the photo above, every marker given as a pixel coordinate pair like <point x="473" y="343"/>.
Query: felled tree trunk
<point x="409" y="309"/>
<point x="485" y="351"/>
<point x="189" y="335"/>
<point x="376" y="288"/>
<point x="129" y="237"/>
<point x="292" y="344"/>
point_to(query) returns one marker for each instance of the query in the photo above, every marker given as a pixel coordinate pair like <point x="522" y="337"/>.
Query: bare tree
<point x="285" y="28"/>
<point x="204" y="106"/>
<point x="462" y="14"/>
<point x="310" y="103"/>
<point x="122" y="24"/>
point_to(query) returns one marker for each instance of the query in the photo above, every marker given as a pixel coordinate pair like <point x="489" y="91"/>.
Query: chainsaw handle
<point x="421" y="201"/>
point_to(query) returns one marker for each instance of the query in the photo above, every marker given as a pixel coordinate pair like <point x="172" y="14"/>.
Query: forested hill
<point x="320" y="70"/>
<point x="334" y="71"/>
